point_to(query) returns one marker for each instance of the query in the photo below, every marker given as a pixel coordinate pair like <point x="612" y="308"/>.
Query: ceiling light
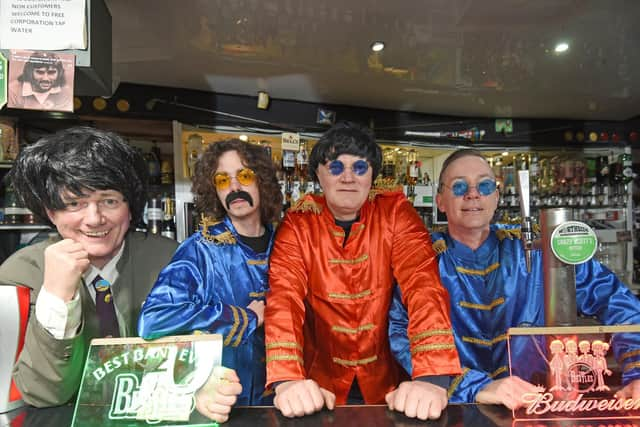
<point x="561" y="47"/>
<point x="377" y="46"/>
<point x="505" y="153"/>
<point x="243" y="137"/>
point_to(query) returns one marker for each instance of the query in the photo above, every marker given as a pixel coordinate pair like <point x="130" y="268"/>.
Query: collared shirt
<point x="22" y="95"/>
<point x="63" y="320"/>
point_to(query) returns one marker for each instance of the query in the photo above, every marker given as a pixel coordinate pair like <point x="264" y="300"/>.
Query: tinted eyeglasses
<point x="461" y="187"/>
<point x="359" y="167"/>
<point x="245" y="176"/>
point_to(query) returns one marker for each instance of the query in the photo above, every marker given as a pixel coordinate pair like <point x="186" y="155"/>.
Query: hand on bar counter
<point x="215" y="399"/>
<point x="302" y="397"/>
<point x="418" y="399"/>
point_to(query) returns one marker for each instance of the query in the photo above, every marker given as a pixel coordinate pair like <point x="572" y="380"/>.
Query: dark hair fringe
<point x="79" y="160"/>
<point x="346" y="138"/>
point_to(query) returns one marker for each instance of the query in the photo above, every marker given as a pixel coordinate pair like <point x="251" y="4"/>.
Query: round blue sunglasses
<point x="462" y="187"/>
<point x="359" y="167"/>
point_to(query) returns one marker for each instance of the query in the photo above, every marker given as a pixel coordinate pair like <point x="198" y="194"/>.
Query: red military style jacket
<point x="327" y="309"/>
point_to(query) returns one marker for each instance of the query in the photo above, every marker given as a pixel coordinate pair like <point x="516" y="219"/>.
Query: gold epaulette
<point x="510" y="233"/>
<point x="382" y="189"/>
<point x="306" y="205"/>
<point x="224" y="238"/>
<point x="439" y="246"/>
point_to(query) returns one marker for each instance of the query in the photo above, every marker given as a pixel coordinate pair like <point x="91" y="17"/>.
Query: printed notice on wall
<point x="43" y="24"/>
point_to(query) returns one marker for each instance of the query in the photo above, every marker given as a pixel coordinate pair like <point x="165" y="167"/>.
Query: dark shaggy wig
<point x="346" y="138"/>
<point x="463" y="152"/>
<point x="79" y="160"/>
<point x="253" y="157"/>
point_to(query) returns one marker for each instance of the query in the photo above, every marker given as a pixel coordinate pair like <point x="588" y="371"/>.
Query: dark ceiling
<point x="474" y="58"/>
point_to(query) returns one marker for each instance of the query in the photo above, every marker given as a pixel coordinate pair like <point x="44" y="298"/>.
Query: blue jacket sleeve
<point x="600" y="293"/>
<point x="463" y="388"/>
<point x="189" y="296"/>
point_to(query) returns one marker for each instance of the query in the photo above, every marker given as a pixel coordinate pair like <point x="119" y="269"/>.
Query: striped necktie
<point x="105" y="309"/>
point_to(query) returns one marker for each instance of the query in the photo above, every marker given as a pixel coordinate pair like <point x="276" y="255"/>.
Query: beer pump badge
<point x="574" y="242"/>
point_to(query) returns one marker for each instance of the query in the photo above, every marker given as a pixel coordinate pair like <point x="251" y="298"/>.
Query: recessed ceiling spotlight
<point x="561" y="47"/>
<point x="243" y="137"/>
<point x="377" y="46"/>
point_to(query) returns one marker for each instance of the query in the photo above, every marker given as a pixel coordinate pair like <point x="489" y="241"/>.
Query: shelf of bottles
<point x="597" y="186"/>
<point x="159" y="214"/>
<point x="557" y="180"/>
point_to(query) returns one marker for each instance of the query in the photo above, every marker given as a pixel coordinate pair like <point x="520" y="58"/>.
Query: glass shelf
<point x="24" y="227"/>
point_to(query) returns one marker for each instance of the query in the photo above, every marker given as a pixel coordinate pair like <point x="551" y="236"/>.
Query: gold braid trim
<point x="358" y="260"/>
<point x="306" y="205"/>
<point x="345" y="362"/>
<point x="358" y="230"/>
<point x="432" y="347"/>
<point x="631" y="366"/>
<point x="384" y="188"/>
<point x="245" y="323"/>
<point x="487" y="343"/>
<point x="337" y="233"/>
<point x="498" y="371"/>
<point x="225" y="238"/>
<point x="508" y="233"/>
<point x="439" y="246"/>
<point x="234" y="328"/>
<point x="431" y="333"/>
<point x="478" y="272"/>
<point x="277" y="357"/>
<point x="257" y="294"/>
<point x="346" y="330"/>
<point x="456" y="382"/>
<point x="257" y="261"/>
<point x="336" y="295"/>
<point x="284" y="344"/>
<point x="486" y="307"/>
<point x="629" y="354"/>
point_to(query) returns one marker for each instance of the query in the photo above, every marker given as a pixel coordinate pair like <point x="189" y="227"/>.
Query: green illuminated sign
<point x="574" y="242"/>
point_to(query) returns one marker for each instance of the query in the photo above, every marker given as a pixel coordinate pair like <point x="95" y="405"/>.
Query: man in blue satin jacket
<point x="217" y="279"/>
<point x="483" y="268"/>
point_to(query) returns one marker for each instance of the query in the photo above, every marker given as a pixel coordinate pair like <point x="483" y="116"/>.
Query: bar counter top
<point x="362" y="415"/>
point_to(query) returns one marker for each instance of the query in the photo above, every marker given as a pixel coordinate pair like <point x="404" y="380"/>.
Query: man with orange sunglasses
<point x="217" y="280"/>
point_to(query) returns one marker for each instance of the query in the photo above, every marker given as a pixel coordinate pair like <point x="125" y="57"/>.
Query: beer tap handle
<point x="526" y="228"/>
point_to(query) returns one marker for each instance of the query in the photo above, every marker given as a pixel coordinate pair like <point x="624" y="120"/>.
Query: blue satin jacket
<point x="207" y="286"/>
<point x="491" y="291"/>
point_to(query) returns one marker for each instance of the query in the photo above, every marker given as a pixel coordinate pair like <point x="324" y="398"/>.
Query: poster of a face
<point x="41" y="80"/>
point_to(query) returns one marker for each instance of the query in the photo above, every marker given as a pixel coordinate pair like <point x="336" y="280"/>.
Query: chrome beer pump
<point x="559" y="278"/>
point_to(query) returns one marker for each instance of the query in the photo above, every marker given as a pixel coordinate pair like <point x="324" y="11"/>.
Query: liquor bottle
<point x="12" y="211"/>
<point x="534" y="177"/>
<point x="413" y="167"/>
<point x="496" y="165"/>
<point x="288" y="168"/>
<point x="191" y="162"/>
<point x="388" y="165"/>
<point x="402" y="166"/>
<point x="627" y="165"/>
<point x="302" y="161"/>
<point x="153" y="165"/>
<point x="154" y="216"/>
<point x="169" y="223"/>
<point x="166" y="172"/>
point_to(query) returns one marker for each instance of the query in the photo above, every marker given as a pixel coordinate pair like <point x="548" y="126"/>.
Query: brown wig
<point x="252" y="156"/>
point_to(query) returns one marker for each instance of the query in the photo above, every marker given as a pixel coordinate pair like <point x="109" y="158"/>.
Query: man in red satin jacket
<point x="332" y="270"/>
